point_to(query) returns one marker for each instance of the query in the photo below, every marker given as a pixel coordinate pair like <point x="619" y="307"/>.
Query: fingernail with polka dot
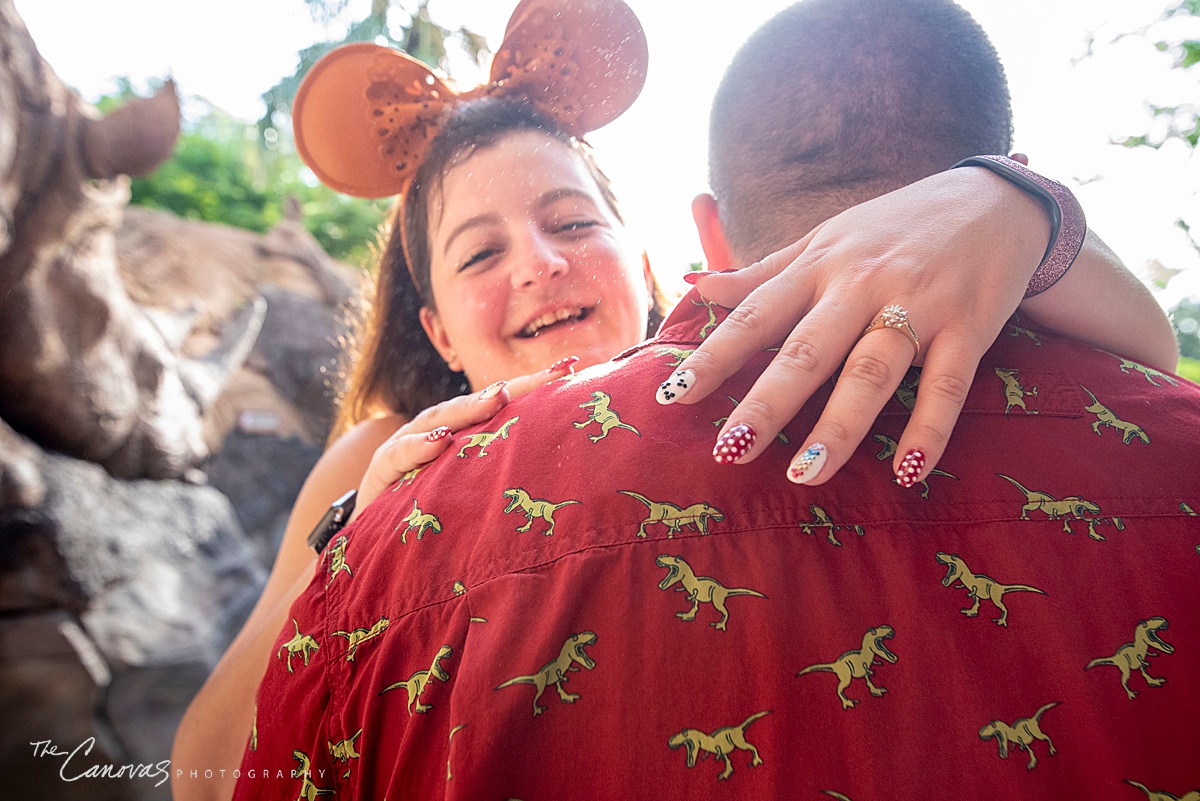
<point x="734" y="443"/>
<point x="910" y="467"/>
<point x="563" y="364"/>
<point x="492" y="390"/>
<point x="441" y="432"/>
<point x="807" y="464"/>
<point x="676" y="386"/>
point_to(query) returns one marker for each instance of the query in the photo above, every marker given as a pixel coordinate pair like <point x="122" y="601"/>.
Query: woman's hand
<point x="956" y="250"/>
<point x="427" y="435"/>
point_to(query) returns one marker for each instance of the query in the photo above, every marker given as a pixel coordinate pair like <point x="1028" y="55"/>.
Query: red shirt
<point x="577" y="602"/>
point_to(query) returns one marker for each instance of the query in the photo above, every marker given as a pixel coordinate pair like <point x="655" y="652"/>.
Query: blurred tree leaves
<point x="1191" y="7"/>
<point x="1180" y="122"/>
<point x="1189" y="55"/>
<point x="391" y="23"/>
<point x="221" y="172"/>
<point x="1185" y="317"/>
<point x="1189" y="369"/>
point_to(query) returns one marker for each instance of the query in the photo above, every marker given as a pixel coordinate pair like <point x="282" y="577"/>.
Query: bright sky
<point x="1067" y="108"/>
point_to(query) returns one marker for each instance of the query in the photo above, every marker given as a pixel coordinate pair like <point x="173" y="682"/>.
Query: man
<point x="603" y="613"/>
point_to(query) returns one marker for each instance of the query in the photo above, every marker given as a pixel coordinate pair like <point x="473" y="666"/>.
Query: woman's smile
<point x="565" y="317"/>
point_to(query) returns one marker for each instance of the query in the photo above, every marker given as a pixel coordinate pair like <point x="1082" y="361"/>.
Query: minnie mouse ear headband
<point x="364" y="115"/>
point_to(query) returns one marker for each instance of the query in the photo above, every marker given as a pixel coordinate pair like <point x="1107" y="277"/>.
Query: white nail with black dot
<point x="675" y="387"/>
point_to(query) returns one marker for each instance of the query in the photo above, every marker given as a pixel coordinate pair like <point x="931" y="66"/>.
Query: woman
<point x="507" y="255"/>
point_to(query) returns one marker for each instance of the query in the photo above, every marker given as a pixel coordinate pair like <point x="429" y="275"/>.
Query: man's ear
<point x="712" y="235"/>
<point x="437" y="335"/>
<point x="648" y="275"/>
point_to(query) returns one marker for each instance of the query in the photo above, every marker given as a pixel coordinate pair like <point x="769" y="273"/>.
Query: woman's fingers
<point x="762" y="318"/>
<point x="960" y="244"/>
<point x="807" y="358"/>
<point x="945" y="379"/>
<point x="460" y="412"/>
<point x="467" y="410"/>
<point x="427" y="436"/>
<point x="400" y="454"/>
<point x="728" y="288"/>
<point x="873" y="370"/>
<point x="527" y="383"/>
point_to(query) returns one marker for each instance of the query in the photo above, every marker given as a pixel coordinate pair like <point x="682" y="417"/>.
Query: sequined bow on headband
<point x="364" y="115"/>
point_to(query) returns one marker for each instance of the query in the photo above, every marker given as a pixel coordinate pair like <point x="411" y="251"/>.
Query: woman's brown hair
<point x="393" y="368"/>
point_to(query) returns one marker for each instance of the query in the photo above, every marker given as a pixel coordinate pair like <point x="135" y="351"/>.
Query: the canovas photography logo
<point x="74" y="764"/>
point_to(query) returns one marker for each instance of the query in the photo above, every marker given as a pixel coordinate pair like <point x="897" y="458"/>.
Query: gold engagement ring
<point x="895" y="316"/>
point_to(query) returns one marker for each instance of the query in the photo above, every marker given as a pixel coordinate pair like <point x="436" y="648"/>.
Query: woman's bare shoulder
<point x="342" y="465"/>
<point x="365" y="436"/>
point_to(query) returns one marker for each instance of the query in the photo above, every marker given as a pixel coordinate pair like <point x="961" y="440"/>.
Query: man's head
<point x="833" y="102"/>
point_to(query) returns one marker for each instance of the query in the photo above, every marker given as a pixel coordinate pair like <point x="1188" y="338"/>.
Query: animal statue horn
<point x="133" y="139"/>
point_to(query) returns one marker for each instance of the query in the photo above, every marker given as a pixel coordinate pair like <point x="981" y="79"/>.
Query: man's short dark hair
<point x="832" y="102"/>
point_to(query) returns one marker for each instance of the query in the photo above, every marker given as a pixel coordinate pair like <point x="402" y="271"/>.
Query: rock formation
<point x="164" y="389"/>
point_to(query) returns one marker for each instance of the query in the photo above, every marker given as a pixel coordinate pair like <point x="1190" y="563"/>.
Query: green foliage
<point x="1184" y="120"/>
<point x="1191" y="7"/>
<point x="1189" y="369"/>
<point x="1184" y="124"/>
<point x="1189" y="53"/>
<point x="219" y="173"/>
<point x="125" y="92"/>
<point x="346" y="227"/>
<point x="1185" y="319"/>
<point x="210" y="178"/>
<point x="418" y="35"/>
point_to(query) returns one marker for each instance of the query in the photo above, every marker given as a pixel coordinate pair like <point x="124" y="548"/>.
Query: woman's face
<point x="528" y="264"/>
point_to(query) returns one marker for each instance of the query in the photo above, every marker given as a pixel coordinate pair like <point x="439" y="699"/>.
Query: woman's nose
<point x="538" y="259"/>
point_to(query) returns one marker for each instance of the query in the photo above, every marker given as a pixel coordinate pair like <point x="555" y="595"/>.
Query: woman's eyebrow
<point x="471" y="222"/>
<point x="554" y="195"/>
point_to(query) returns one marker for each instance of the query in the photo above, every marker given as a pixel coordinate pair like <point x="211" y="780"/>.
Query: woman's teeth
<point x="550" y="318"/>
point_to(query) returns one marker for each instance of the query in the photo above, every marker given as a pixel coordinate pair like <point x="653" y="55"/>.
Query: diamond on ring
<point x="895" y="316"/>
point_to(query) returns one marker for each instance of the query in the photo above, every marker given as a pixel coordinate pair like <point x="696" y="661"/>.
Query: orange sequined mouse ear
<point x="582" y="62"/>
<point x="364" y="115"/>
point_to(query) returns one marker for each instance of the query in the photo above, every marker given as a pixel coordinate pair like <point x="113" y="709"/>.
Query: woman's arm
<point x="1102" y="303"/>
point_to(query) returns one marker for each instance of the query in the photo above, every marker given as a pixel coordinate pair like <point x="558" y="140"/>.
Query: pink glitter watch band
<point x="1068" y="226"/>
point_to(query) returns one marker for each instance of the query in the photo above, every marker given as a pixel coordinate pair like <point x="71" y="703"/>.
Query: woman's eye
<point x="477" y="257"/>
<point x="575" y="225"/>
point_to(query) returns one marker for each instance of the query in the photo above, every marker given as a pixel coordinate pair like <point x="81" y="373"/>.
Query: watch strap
<point x="332" y="521"/>
<point x="1068" y="226"/>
